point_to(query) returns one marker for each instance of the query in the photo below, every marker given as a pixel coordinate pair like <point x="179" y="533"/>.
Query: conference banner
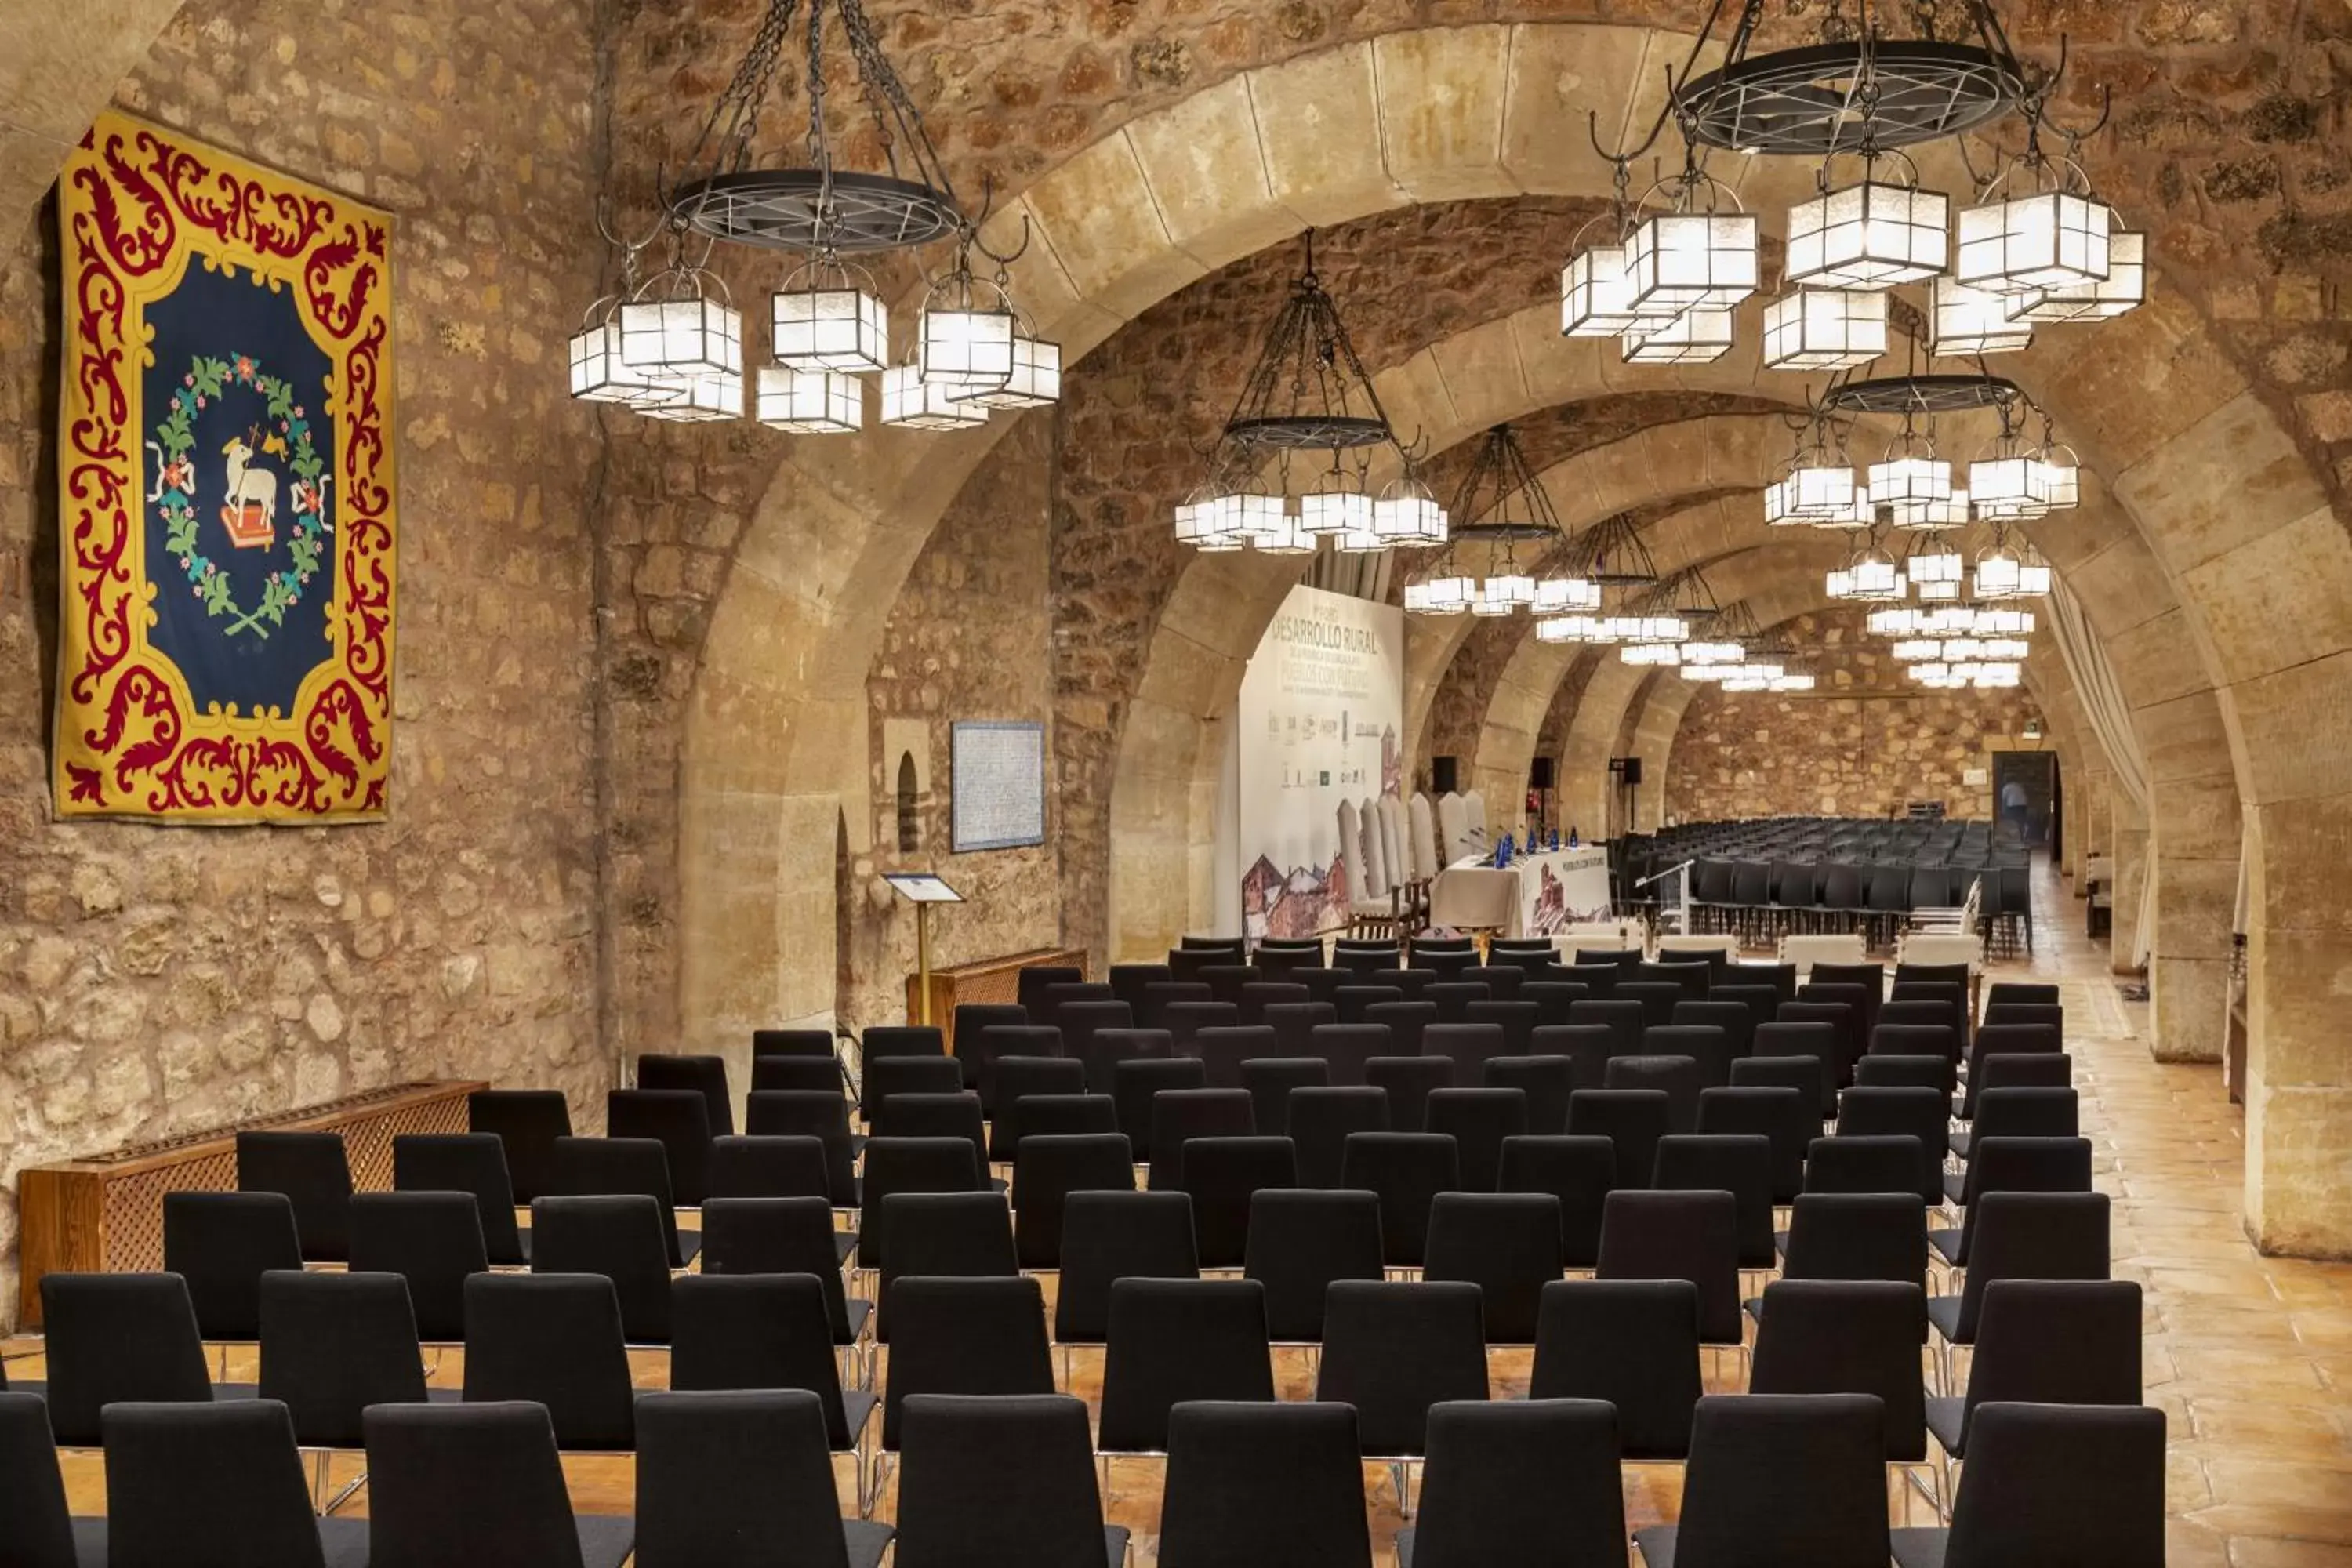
<point x="1321" y="722"/>
<point x="225" y="452"/>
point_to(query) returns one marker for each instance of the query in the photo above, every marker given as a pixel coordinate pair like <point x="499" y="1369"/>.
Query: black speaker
<point x="1539" y="775"/>
<point x="1627" y="769"/>
<point x="1442" y="775"/>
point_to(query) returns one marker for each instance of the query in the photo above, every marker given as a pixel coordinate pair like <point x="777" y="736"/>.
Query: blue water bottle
<point x="1571" y="836"/>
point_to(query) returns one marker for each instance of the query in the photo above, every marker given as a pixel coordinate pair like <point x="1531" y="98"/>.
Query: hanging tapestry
<point x="226" y="488"/>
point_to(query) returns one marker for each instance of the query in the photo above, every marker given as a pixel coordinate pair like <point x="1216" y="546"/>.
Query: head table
<point x="1538" y="893"/>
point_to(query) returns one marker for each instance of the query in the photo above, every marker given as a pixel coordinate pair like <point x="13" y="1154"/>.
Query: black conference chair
<point x="1738" y="1163"/>
<point x="1349" y="1049"/>
<point x="214" y="1484"/>
<point x="2052" y="1485"/>
<point x="1181" y="1115"/>
<point x="912" y="1073"/>
<point x="1263" y="1483"/>
<point x="1779" y="1479"/>
<point x="1545" y="1081"/>
<point x="2047" y="1341"/>
<point x="1785" y="1118"/>
<point x="809" y="1074"/>
<point x="555" y="1340"/>
<point x="956" y="1115"/>
<point x="941" y="1236"/>
<point x="624" y="1167"/>
<point x="1518" y="1481"/>
<point x="1409" y="1081"/>
<point x="809" y="1044"/>
<point x="1676" y="1078"/>
<point x="1003" y="1480"/>
<point x="1393" y="1349"/>
<point x="1318" y="1119"/>
<point x="783" y="1236"/>
<point x="743" y="1166"/>
<point x="1137" y="1085"/>
<point x="1575" y="1174"/>
<point x="526" y="1122"/>
<point x="38" y="1532"/>
<point x="1478" y="1121"/>
<point x="332" y="1345"/>
<point x="1270" y="1081"/>
<point x="221" y="1243"/>
<point x="472" y="1163"/>
<point x="1507" y="1244"/>
<point x="679" y="1120"/>
<point x="480" y="1482"/>
<point x="1678" y="1235"/>
<point x="1847" y="1336"/>
<point x="1631" y="1344"/>
<point x="1586" y="1047"/>
<point x="1407" y="1171"/>
<point x="2010" y="1165"/>
<point x="434" y="1242"/>
<point x="1173" y="1340"/>
<point x="310" y="1169"/>
<point x="729" y="1479"/>
<point x="116" y="1338"/>
<point x="1632" y="1119"/>
<point x="1221" y="1175"/>
<point x="1300" y="1241"/>
<point x="707" y="1076"/>
<point x="983" y="1053"/>
<point x="1921" y="1113"/>
<point x="2023" y="1236"/>
<point x="1113" y="1236"/>
<point x="963" y="1336"/>
<point x="1857" y="1236"/>
<point x="1047" y="1170"/>
<point x="896" y="1165"/>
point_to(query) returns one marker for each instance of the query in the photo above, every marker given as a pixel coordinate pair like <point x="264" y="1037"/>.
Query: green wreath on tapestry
<point x="176" y="498"/>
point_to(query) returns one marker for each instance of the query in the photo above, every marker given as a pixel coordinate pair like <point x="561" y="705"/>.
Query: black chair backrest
<point x="1224" y="1047"/>
<point x="806" y="1043"/>
<point x="478" y="1482"/>
<point x="777" y="1236"/>
<point x="1007" y="1479"/>
<point x="472" y="1163"/>
<point x="739" y="1476"/>
<point x="1046" y="1171"/>
<point x="1625" y="1021"/>
<point x="555" y="1339"/>
<point x="1786" y="1477"/>
<point x="618" y="1237"/>
<point x="1469" y="1046"/>
<point x="2056" y="1342"/>
<point x="2032" y="1236"/>
<point x="964" y="1336"/>
<point x="1407" y="1170"/>
<point x="1586" y="1048"/>
<point x="526" y="1122"/>
<point x="1181" y="1115"/>
<point x="1295" y="1023"/>
<point x="1784" y="1117"/>
<point x="1271" y="1081"/>
<point x="220" y="1243"/>
<point x="1407" y="1023"/>
<point x="38" y="1532"/>
<point x="1220" y="1174"/>
<point x="1135" y="1085"/>
<point x="2020" y="1165"/>
<point x="1029" y="985"/>
<point x="965" y="1236"/>
<point x="311" y="1170"/>
<point x="813" y="1075"/>
<point x="118" y="1337"/>
<point x="1847" y="1336"/>
<point x="882" y="1040"/>
<point x="1112" y="1235"/>
<point x="1177" y="1339"/>
<point x="909" y="1165"/>
<point x="909" y="1074"/>
<point x="223" y="1475"/>
<point x="1678" y="1235"/>
<point x="1631" y="1344"/>
<point x="1865" y="1163"/>
<point x="1788" y="1041"/>
<point x="1922" y="1113"/>
<point x="1299" y="1242"/>
<point x="2051" y="1483"/>
<point x="1632" y="1119"/>
<point x="1857" y="1236"/>
<point x="1263" y="1483"/>
<point x="1740" y="1163"/>
<point x="1507" y="1244"/>
<point x="1109" y="1048"/>
<point x="1393" y="1349"/>
<point x="823" y="1115"/>
<point x="1708" y="1047"/>
<point x="1575" y="1174"/>
<point x="2027" y="1013"/>
<point x="743" y="1166"/>
<point x="1479" y="1120"/>
<point x="334" y="1344"/>
<point x="1735" y="1020"/>
<point x="1521" y="1480"/>
<point x="1545" y="1081"/>
<point x="621" y="1167"/>
<point x="707" y="1076"/>
<point x="431" y="1240"/>
<point x="1317" y="1121"/>
<point x="1409" y="1081"/>
<point x="2026" y="1113"/>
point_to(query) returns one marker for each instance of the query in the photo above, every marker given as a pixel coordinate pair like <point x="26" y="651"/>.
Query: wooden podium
<point x="987" y="980"/>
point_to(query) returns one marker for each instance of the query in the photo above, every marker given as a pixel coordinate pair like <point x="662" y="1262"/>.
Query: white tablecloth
<point x="1535" y="896"/>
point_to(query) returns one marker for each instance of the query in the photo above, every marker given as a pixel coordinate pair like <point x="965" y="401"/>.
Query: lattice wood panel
<point x="989" y="980"/>
<point x="105" y="1213"/>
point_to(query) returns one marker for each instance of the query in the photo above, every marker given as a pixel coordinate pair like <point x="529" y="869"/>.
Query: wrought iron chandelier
<point x="671" y="346"/>
<point x="2037" y="245"/>
<point x="1508" y="554"/>
<point x="1308" y="420"/>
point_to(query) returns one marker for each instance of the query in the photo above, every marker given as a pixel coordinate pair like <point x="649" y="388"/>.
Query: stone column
<point x="2298" y="970"/>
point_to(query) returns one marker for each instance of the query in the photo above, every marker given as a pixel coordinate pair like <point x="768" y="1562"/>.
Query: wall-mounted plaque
<point x="997" y="784"/>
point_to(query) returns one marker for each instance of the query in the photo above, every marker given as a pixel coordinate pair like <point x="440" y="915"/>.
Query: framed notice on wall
<point x="997" y="784"/>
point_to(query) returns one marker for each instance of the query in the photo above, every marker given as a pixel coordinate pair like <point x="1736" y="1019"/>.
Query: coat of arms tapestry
<point x="225" y="479"/>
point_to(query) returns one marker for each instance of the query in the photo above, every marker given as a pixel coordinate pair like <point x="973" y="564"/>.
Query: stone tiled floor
<point x="2251" y="1358"/>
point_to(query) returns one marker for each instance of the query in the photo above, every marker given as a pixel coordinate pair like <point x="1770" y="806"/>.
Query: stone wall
<point x="156" y="980"/>
<point x="968" y="639"/>
<point x="1865" y="742"/>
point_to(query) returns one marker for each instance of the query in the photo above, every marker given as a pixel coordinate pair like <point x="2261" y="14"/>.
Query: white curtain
<point x="2110" y="716"/>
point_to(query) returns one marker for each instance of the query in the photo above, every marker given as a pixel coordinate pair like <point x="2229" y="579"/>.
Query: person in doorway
<point x="2014" y="806"/>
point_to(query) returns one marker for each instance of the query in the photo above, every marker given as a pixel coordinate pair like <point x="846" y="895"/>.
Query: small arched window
<point x="910" y="819"/>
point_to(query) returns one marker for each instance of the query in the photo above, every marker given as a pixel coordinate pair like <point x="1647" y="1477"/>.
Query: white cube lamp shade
<point x="599" y="375"/>
<point x="2000" y="621"/>
<point x="1949" y="511"/>
<point x="2051" y="239"/>
<point x="1561" y="595"/>
<point x="1745" y="683"/>
<point x="1683" y="261"/>
<point x="1700" y="335"/>
<point x="1279" y="534"/>
<point x="1036" y="378"/>
<point x="1936" y="593"/>
<point x="1569" y="629"/>
<point x="2010" y="648"/>
<point x="1957" y="650"/>
<point x="1822" y="492"/>
<point x="1970" y="322"/>
<point x="1996" y="675"/>
<point x="2055" y="482"/>
<point x="1335" y="511"/>
<point x="966" y="351"/>
<point x="914" y="404"/>
<point x="681" y="338"/>
<point x="2034" y="578"/>
<point x="1895" y="623"/>
<point x="1504" y="593"/>
<point x="2124" y="287"/>
<point x="1875" y="578"/>
<point x="1918" y="650"/>
<point x="1869" y="235"/>
<point x="704" y="397"/>
<point x="1997" y="575"/>
<point x="1358" y="544"/>
<point x="1792" y="683"/>
<point x="1711" y="674"/>
<point x="1779" y="509"/>
<point x="831" y="329"/>
<point x="1934" y="562"/>
<point x="1657" y="656"/>
<point x="1825" y="329"/>
<point x="1409" y="517"/>
<point x="1711" y="653"/>
<point x="1658" y="629"/>
<point x="809" y="402"/>
<point x="1207" y="523"/>
<point x="2003" y="484"/>
<point x="1909" y="480"/>
<point x="1838" y="582"/>
<point x="1449" y="594"/>
<point x="1596" y="295"/>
